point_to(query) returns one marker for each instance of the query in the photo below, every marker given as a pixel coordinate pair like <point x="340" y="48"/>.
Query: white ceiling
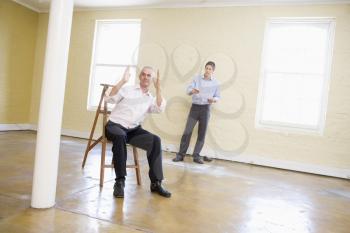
<point x="43" y="5"/>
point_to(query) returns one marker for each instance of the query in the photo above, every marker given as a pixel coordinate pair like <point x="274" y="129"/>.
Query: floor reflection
<point x="276" y="215"/>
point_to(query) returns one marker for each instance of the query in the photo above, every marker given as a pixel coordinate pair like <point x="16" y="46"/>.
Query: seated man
<point x="132" y="103"/>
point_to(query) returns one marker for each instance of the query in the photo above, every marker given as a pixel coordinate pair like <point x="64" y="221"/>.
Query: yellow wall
<point x="38" y="67"/>
<point x="179" y="41"/>
<point x="18" y="28"/>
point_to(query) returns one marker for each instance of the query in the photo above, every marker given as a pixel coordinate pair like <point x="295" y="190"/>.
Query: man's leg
<point x="186" y="137"/>
<point x="152" y="144"/>
<point x="202" y="129"/>
<point x="117" y="134"/>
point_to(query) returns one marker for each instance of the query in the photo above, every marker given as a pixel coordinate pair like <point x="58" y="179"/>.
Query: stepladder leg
<point x="103" y="159"/>
<point x="89" y="145"/>
<point x="137" y="165"/>
<point x="86" y="154"/>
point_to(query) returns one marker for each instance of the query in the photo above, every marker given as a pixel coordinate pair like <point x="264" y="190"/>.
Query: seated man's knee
<point x="116" y="137"/>
<point x="121" y="137"/>
<point x="157" y="140"/>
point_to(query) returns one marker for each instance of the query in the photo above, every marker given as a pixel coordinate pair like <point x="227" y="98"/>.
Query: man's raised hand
<point x="156" y="81"/>
<point x="126" y="75"/>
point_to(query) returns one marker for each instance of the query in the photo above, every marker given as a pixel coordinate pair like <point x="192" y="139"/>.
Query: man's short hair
<point x="210" y="63"/>
<point x="148" y="67"/>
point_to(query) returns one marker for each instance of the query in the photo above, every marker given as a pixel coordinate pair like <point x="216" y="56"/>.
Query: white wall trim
<point x="74" y="133"/>
<point x="44" y="9"/>
<point x="216" y="4"/>
<point x="10" y="127"/>
<point x="29" y="6"/>
<point x="273" y="163"/>
<point x="249" y="159"/>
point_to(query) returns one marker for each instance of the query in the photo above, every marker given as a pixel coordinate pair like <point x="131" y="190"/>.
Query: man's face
<point x="208" y="70"/>
<point x="145" y="77"/>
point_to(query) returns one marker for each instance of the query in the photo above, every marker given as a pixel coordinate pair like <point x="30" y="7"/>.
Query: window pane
<point x="117" y="43"/>
<point x="296" y="47"/>
<point x="293" y="99"/>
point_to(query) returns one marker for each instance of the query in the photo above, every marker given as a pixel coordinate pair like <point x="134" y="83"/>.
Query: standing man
<point x="205" y="91"/>
<point x="132" y="103"/>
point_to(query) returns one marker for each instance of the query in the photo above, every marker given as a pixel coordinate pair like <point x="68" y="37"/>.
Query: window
<point x="295" y="73"/>
<point x="115" y="47"/>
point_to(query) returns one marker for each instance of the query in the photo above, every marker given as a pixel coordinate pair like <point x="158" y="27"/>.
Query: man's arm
<point x="216" y="95"/>
<point x="121" y="82"/>
<point x="159" y="97"/>
<point x="159" y="103"/>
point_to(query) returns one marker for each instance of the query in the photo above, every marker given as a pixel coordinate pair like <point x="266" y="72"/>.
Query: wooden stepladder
<point x="102" y="109"/>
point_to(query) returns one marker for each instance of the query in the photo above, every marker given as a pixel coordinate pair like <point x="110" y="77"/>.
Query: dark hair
<point x="210" y="63"/>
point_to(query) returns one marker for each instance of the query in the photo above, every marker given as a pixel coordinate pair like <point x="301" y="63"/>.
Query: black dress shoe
<point x="207" y="159"/>
<point x="198" y="159"/>
<point x="157" y="187"/>
<point x="178" y="158"/>
<point x="119" y="188"/>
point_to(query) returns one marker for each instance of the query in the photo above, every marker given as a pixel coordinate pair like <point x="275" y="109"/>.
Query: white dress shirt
<point x="132" y="106"/>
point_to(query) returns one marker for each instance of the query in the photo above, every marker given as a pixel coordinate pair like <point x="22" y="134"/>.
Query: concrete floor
<point x="216" y="197"/>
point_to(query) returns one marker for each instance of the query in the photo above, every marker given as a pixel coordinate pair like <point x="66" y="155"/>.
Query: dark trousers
<point x="200" y="114"/>
<point x="140" y="138"/>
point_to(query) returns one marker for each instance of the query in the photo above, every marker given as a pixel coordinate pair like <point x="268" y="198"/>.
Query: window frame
<point x="94" y="64"/>
<point x="284" y="127"/>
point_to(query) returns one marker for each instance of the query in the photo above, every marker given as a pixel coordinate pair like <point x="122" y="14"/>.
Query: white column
<point x="51" y="104"/>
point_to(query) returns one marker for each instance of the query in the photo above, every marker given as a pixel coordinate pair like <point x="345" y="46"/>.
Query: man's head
<point x="146" y="75"/>
<point x="209" y="68"/>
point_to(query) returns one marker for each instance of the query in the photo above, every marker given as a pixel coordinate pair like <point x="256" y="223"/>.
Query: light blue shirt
<point x="208" y="88"/>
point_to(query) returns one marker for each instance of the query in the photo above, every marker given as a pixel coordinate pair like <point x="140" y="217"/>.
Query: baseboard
<point x="64" y="132"/>
<point x="261" y="161"/>
<point x="248" y="159"/>
<point x="74" y="133"/>
<point x="11" y="127"/>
